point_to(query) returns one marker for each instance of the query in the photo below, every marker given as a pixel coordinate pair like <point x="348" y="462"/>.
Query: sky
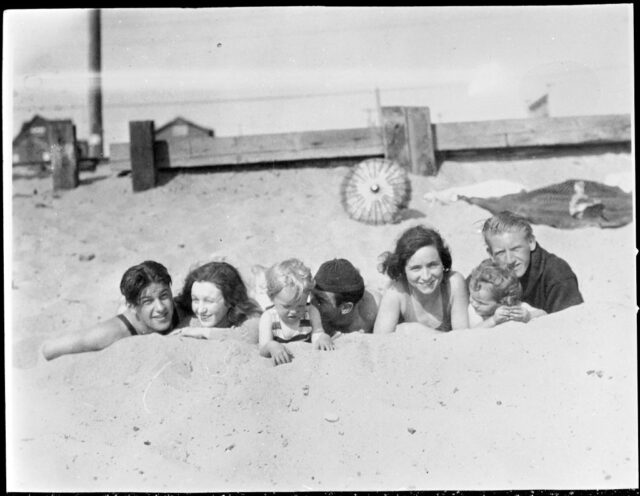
<point x="260" y="70"/>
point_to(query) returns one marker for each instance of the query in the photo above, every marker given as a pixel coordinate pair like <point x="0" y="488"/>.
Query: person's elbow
<point x="49" y="351"/>
<point x="560" y="304"/>
<point x="264" y="349"/>
<point x="460" y="322"/>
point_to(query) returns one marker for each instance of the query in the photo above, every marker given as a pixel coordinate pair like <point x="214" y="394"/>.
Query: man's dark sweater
<point x="549" y="283"/>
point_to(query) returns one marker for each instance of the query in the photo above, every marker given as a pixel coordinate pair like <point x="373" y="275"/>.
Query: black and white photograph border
<point x="253" y="135"/>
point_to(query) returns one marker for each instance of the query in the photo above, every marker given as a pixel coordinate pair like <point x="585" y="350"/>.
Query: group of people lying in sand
<point x="519" y="282"/>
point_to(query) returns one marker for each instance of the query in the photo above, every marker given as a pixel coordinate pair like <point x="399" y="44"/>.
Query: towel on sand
<point x="550" y="205"/>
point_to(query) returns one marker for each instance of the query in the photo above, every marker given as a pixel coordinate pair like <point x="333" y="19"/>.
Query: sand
<point x="551" y="404"/>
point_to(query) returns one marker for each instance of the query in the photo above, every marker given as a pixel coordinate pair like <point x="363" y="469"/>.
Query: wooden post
<point x="64" y="160"/>
<point x="143" y="167"/>
<point x="409" y="139"/>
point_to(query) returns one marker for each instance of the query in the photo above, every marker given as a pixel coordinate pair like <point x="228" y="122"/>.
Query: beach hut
<point x="32" y="144"/>
<point x="182" y="128"/>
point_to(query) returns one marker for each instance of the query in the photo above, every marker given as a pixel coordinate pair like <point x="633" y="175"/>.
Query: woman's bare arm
<point x="247" y="331"/>
<point x="459" y="302"/>
<point x="388" y="312"/>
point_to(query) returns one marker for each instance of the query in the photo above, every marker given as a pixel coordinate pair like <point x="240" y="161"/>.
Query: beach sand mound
<point x="548" y="404"/>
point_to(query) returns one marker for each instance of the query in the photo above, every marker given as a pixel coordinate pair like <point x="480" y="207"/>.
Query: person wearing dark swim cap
<point x="345" y="305"/>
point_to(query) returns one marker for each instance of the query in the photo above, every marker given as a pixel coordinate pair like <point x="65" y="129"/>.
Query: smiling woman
<point x="215" y="301"/>
<point x="425" y="294"/>
<point x="149" y="308"/>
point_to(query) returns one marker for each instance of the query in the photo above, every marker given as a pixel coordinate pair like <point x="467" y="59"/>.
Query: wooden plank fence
<point x="543" y="131"/>
<point x="407" y="136"/>
<point x="254" y="149"/>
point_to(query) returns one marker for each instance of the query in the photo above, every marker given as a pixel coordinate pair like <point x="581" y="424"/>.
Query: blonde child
<point x="290" y="317"/>
<point x="495" y="296"/>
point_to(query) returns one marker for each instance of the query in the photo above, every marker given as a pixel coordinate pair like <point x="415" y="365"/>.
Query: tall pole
<point x="95" y="86"/>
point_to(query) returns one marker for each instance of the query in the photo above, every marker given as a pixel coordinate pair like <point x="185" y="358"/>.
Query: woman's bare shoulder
<point x="396" y="287"/>
<point x="396" y="292"/>
<point x="457" y="281"/>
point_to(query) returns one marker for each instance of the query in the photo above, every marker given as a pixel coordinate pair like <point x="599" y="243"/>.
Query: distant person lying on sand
<point x="581" y="204"/>
<point x="215" y="301"/>
<point x="425" y="294"/>
<point x="494" y="294"/>
<point x="340" y="296"/>
<point x="149" y="308"/>
<point x="290" y="318"/>
<point x="548" y="283"/>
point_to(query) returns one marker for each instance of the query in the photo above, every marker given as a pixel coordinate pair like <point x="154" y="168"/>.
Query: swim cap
<point x="338" y="276"/>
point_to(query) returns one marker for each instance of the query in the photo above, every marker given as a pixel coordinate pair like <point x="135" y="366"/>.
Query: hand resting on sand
<point x="278" y="352"/>
<point x="524" y="313"/>
<point x="324" y="342"/>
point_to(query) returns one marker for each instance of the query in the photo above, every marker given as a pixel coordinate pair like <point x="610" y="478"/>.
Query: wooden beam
<point x="64" y="160"/>
<point x="143" y="167"/>
<point x="409" y="138"/>
<point x="421" y="145"/>
<point x="418" y="155"/>
<point x="554" y="131"/>
<point x="261" y="148"/>
<point x="396" y="146"/>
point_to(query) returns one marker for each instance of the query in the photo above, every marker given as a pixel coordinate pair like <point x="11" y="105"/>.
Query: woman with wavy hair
<point x="425" y="294"/>
<point x="215" y="299"/>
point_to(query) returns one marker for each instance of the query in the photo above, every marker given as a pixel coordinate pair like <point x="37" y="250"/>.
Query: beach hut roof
<point x="182" y="120"/>
<point x="36" y="119"/>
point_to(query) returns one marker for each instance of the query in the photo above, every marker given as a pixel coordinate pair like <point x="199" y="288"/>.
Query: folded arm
<point x="247" y="331"/>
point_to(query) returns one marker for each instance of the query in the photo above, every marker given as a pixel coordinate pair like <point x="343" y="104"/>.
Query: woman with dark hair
<point x="424" y="294"/>
<point x="149" y="308"/>
<point x="215" y="299"/>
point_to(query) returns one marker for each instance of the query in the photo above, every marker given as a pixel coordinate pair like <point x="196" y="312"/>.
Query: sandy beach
<point x="551" y="404"/>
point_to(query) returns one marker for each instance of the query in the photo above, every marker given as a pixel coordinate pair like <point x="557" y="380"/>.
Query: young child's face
<point x="483" y="302"/>
<point x="290" y="309"/>
<point x="207" y="303"/>
<point x="155" y="307"/>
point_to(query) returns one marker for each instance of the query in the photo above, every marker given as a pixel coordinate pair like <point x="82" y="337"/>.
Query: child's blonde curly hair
<point x="502" y="281"/>
<point x="289" y="273"/>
